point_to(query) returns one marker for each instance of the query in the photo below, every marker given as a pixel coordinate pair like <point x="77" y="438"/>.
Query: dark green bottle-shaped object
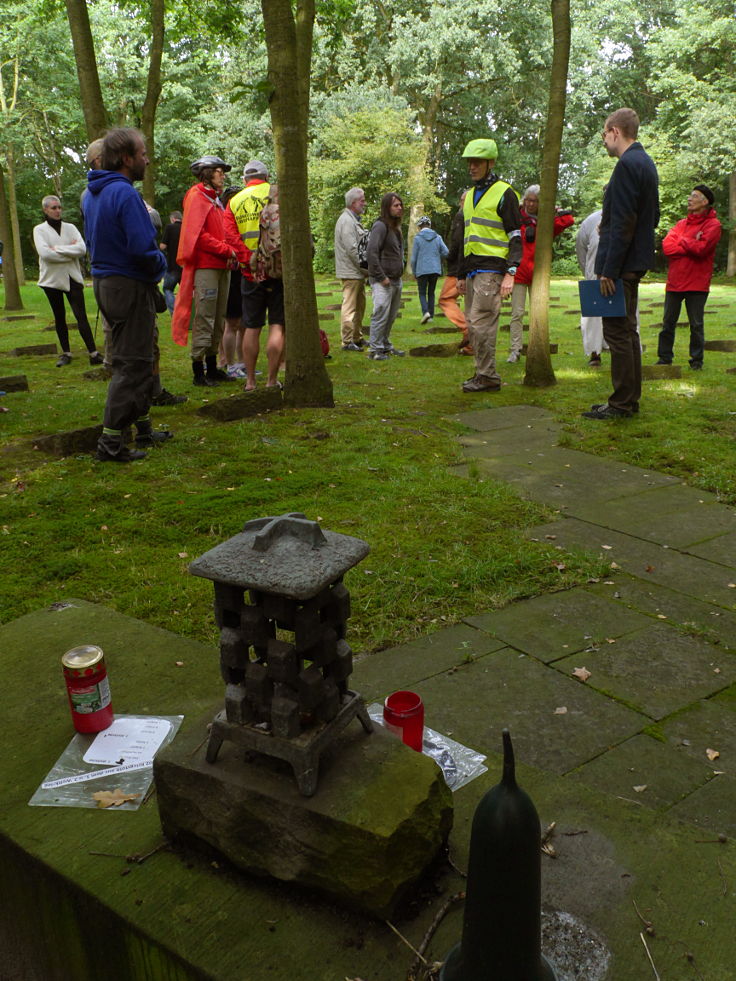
<point x="502" y="921"/>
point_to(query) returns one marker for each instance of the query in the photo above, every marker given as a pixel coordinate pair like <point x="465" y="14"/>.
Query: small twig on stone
<point x="140" y="859"/>
<point x="573" y="834"/>
<point x="456" y="869"/>
<point x="403" y="938"/>
<point x="106" y="854"/>
<point x="720" y="840"/>
<point x="690" y="958"/>
<point x="646" y="948"/>
<point x="629" y="800"/>
<point x="439" y="917"/>
<point x="648" y="925"/>
<point x="723" y="877"/>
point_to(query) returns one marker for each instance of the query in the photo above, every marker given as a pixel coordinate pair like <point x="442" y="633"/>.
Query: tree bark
<point x="153" y="94"/>
<point x="13" y="299"/>
<point x="13" y="216"/>
<point x="95" y="114"/>
<point x="289" y="47"/>
<point x="731" y="263"/>
<point x="539" y="372"/>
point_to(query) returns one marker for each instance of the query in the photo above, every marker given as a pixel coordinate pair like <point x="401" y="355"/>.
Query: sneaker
<point x="425" y="318"/>
<point x="96" y="358"/>
<point x="167" y="398"/>
<point x="64" y="360"/>
<point x="513" y="357"/>
<point x="480" y="383"/>
<point x="595" y="361"/>
<point x="235" y="371"/>
<point x="396" y="352"/>
<point x="153" y="438"/>
<point x="378" y="356"/>
<point x="350" y="347"/>
<point x="606" y="412"/>
<point x="124" y="456"/>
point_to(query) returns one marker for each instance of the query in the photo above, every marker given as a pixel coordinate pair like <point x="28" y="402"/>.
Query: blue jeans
<point x="171" y="281"/>
<point x="426" y="286"/>
<point x="386" y="303"/>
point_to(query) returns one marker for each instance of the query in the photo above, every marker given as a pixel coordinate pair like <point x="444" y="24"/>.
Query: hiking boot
<point x="513" y="357"/>
<point x="64" y="360"/>
<point x="167" y="398"/>
<point x="350" y="347"/>
<point x="214" y="373"/>
<point x="96" y="358"/>
<point x="123" y="456"/>
<point x="481" y="383"/>
<point x="199" y="376"/>
<point x="595" y="360"/>
<point x="153" y="438"/>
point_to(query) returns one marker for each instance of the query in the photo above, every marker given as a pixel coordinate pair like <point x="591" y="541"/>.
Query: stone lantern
<point x="282" y="610"/>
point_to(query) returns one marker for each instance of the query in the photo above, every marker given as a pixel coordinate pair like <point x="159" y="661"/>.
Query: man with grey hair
<point x="60" y="247"/>
<point x="350" y="240"/>
<point x="525" y="272"/>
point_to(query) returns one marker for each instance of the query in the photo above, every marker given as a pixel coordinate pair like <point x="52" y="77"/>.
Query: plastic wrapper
<point x="459" y="764"/>
<point x="72" y="782"/>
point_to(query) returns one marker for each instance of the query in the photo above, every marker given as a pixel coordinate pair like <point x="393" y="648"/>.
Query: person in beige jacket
<point x="60" y="247"/>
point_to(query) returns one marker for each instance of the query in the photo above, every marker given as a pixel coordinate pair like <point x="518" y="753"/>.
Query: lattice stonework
<point x="285" y="696"/>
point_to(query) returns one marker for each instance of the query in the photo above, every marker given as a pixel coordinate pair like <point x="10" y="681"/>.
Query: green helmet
<point x="481" y="149"/>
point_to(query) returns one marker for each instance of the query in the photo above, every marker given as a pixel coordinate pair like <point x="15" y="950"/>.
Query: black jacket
<point x="630" y="215"/>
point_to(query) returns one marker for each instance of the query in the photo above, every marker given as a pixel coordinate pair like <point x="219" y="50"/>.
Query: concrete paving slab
<point x="377" y="675"/>
<point x="475" y="702"/>
<point x="694" y="576"/>
<point x="713" y="623"/>
<point x="504" y="417"/>
<point x="657" y="670"/>
<point x="645" y="770"/>
<point x="721" y="549"/>
<point x="511" y="442"/>
<point x="706" y="725"/>
<point x="554" y="625"/>
<point x="711" y="807"/>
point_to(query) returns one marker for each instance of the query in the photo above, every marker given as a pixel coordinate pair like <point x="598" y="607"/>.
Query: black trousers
<point x="75" y="298"/>
<point x="128" y="307"/>
<point x="695" y="306"/>
<point x="623" y="340"/>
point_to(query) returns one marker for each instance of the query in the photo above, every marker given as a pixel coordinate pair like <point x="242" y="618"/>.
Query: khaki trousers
<point x="353" y="308"/>
<point x="518" y="305"/>
<point x="211" y="287"/>
<point x="482" y="309"/>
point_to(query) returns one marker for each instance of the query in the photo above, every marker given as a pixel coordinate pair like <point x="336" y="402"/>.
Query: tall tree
<point x="539" y="371"/>
<point x="153" y="94"/>
<point x="289" y="44"/>
<point x="8" y="104"/>
<point x="13" y="299"/>
<point x="95" y="114"/>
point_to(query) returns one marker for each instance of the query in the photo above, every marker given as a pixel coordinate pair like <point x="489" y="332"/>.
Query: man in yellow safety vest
<point x="492" y="252"/>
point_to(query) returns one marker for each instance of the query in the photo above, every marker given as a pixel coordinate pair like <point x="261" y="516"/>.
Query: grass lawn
<point x="378" y="466"/>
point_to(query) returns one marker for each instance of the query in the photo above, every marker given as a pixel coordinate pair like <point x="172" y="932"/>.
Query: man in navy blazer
<point x="625" y="251"/>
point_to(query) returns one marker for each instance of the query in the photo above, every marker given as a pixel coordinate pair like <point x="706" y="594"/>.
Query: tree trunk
<point x="539" y="372"/>
<point x="153" y="94"/>
<point x="13" y="299"/>
<point x="13" y="215"/>
<point x="95" y="115"/>
<point x="289" y="46"/>
<point x="731" y="263"/>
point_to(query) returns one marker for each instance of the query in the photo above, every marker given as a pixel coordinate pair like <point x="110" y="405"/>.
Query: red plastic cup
<point x="403" y="713"/>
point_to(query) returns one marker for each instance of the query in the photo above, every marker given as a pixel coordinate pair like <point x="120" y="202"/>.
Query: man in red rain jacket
<point x="690" y="246"/>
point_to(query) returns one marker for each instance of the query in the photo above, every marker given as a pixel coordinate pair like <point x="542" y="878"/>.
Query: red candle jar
<point x="403" y="713"/>
<point x="88" y="688"/>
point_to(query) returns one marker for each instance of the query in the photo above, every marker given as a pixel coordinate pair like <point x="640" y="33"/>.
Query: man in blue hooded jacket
<point x="126" y="265"/>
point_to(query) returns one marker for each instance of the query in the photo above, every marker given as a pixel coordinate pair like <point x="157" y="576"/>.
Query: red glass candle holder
<point x="403" y="713"/>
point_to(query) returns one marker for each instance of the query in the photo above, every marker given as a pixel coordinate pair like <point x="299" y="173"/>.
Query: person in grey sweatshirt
<point x="426" y="263"/>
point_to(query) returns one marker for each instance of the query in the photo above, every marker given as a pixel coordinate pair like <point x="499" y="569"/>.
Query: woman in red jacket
<point x="523" y="277"/>
<point x="690" y="246"/>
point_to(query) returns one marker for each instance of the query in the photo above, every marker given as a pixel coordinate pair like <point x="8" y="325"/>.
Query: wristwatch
<point x="511" y="271"/>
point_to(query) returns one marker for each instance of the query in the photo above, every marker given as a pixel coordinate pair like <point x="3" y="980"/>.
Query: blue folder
<point x="594" y="304"/>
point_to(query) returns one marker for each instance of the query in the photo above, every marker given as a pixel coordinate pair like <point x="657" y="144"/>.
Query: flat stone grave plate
<point x="709" y="724"/>
<point x="721" y="549"/>
<point x="554" y="625"/>
<point x="376" y="675"/>
<point x="506" y="417"/>
<point x="645" y="770"/>
<point x="476" y="701"/>
<point x="527" y="440"/>
<point x="657" y="670"/>
<point x="711" y="807"/>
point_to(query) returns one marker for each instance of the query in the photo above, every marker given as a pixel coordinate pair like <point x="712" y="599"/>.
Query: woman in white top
<point x="60" y="247"/>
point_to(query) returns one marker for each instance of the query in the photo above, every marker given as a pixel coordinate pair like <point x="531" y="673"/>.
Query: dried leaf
<point x="712" y="754"/>
<point x="614" y="565"/>
<point x="113" y="798"/>
<point x="649" y="568"/>
<point x="561" y="710"/>
<point x="183" y="555"/>
<point x="582" y="674"/>
<point x="661" y="616"/>
<point x="607" y="547"/>
<point x="640" y="788"/>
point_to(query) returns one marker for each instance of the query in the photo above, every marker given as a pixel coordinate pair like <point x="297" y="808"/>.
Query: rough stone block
<point x="729" y="346"/>
<point x="19" y="316"/>
<point x="332" y="306"/>
<point x="435" y="350"/>
<point x="326" y="316"/>
<point x="69" y="443"/>
<point x="258" y="685"/>
<point x="14" y="383"/>
<point x="236" y="705"/>
<point x="232" y="676"/>
<point x="325" y="650"/>
<point x="441" y="330"/>
<point x="341" y="667"/>
<point x="279" y="608"/>
<point x="28" y="349"/>
<point x="233" y="649"/>
<point x="244" y="405"/>
<point x="330" y="704"/>
<point x="338" y="606"/>
<point x="285" y="718"/>
<point x="256" y="629"/>
<point x="346" y="841"/>
<point x="307" y="627"/>
<point x="657" y="372"/>
<point x="311" y="687"/>
<point x="228" y="604"/>
<point x="283" y="662"/>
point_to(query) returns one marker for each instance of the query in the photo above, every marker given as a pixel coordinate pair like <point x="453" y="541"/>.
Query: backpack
<point x="265" y="261"/>
<point x="363" y="249"/>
